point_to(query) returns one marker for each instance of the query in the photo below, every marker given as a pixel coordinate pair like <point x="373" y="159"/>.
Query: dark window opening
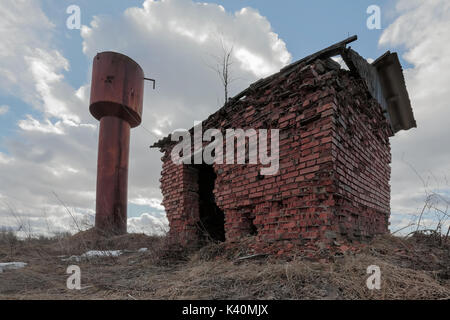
<point x="212" y="219"/>
<point x="249" y="227"/>
<point x="253" y="229"/>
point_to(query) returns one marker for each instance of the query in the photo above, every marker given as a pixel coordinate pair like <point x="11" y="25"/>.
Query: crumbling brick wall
<point x="362" y="163"/>
<point x="180" y="199"/>
<point x="334" y="163"/>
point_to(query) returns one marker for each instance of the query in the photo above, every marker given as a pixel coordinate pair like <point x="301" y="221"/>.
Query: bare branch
<point x="222" y="66"/>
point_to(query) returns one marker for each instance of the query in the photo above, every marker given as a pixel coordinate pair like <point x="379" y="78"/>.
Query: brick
<point x="334" y="173"/>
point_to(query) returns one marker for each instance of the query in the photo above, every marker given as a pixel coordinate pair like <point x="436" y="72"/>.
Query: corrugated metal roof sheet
<point x="393" y="83"/>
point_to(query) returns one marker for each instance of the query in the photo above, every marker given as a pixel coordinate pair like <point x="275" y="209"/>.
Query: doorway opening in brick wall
<point x="212" y="218"/>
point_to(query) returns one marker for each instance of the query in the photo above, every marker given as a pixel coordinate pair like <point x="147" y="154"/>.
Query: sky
<point x="48" y="139"/>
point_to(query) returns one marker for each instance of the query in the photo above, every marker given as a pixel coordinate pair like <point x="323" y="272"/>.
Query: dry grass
<point x="414" y="268"/>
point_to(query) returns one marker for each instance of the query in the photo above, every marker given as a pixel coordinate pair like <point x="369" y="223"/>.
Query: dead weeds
<point x="413" y="268"/>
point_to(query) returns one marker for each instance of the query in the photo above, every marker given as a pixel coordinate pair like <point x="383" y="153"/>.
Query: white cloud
<point x="31" y="124"/>
<point x="152" y="203"/>
<point x="341" y="62"/>
<point x="4" y="109"/>
<point x="31" y="68"/>
<point x="173" y="41"/>
<point x="56" y="150"/>
<point x="422" y="28"/>
<point x="189" y="34"/>
<point x="23" y="27"/>
<point x="45" y="68"/>
<point x="151" y="224"/>
<point x="4" y="159"/>
<point x="46" y="150"/>
<point x="54" y="222"/>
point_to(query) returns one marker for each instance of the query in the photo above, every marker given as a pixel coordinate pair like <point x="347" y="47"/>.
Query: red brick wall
<point x="334" y="164"/>
<point x="361" y="143"/>
<point x="180" y="200"/>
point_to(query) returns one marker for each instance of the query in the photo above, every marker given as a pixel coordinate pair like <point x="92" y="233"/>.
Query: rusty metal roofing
<point x="394" y="88"/>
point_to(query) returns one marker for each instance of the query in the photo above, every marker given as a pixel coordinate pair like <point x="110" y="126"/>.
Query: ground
<point x="416" y="267"/>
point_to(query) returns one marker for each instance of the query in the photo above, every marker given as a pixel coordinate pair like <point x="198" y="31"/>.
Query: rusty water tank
<point x="117" y="94"/>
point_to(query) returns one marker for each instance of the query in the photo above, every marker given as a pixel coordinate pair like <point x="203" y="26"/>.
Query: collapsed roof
<point x="384" y="80"/>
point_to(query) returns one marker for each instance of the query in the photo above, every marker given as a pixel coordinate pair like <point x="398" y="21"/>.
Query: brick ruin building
<point x="334" y="167"/>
